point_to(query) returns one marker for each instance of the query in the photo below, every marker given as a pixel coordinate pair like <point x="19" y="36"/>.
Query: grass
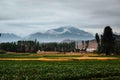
<point x="17" y="55"/>
<point x="66" y="70"/>
<point x="44" y="55"/>
<point x="117" y="56"/>
<point x="30" y="55"/>
<point x="55" y="57"/>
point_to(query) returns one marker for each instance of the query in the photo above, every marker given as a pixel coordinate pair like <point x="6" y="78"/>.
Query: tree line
<point x="82" y="47"/>
<point x="34" y="46"/>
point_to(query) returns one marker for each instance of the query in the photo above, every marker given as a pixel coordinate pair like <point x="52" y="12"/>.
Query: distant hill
<point x="9" y="37"/>
<point x="60" y="34"/>
<point x="67" y="41"/>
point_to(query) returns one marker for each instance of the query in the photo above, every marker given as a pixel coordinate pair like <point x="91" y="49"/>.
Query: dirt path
<point x="63" y="59"/>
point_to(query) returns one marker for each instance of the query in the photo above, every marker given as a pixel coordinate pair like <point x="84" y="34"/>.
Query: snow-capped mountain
<point x="53" y="35"/>
<point x="60" y="34"/>
<point x="59" y="30"/>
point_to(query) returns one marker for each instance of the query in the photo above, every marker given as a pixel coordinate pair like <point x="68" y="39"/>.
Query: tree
<point x="98" y="41"/>
<point x="117" y="47"/>
<point x="83" y="45"/>
<point x="107" y="41"/>
<point x="0" y="34"/>
<point x="86" y="45"/>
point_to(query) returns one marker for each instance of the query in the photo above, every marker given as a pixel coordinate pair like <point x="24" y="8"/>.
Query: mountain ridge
<point x="60" y="34"/>
<point x="9" y="37"/>
<point x="52" y="35"/>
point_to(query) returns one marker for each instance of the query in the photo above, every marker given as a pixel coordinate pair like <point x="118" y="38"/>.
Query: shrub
<point x="117" y="48"/>
<point x="2" y="52"/>
<point x="96" y="52"/>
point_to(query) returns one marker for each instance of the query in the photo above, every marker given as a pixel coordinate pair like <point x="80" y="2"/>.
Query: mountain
<point x="60" y="34"/>
<point x="64" y="34"/>
<point x="9" y="37"/>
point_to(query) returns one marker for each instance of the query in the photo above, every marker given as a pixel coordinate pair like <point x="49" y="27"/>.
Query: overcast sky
<point x="24" y="17"/>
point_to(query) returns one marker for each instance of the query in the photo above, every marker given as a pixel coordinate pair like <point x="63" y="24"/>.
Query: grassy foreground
<point x="66" y="70"/>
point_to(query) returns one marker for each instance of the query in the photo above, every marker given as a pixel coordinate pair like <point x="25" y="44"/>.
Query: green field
<point x="72" y="69"/>
<point x="66" y="70"/>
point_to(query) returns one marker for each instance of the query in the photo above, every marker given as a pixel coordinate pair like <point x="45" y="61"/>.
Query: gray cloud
<point x="28" y="16"/>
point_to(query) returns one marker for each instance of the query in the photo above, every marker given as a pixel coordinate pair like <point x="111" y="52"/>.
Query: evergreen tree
<point x="98" y="41"/>
<point x="107" y="41"/>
